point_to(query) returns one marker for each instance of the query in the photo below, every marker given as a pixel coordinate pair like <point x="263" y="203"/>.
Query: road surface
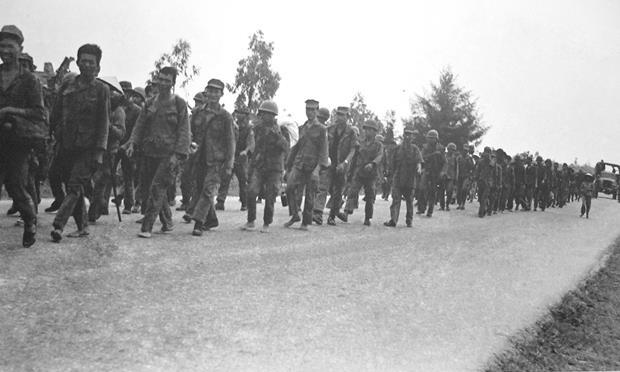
<point x="443" y="295"/>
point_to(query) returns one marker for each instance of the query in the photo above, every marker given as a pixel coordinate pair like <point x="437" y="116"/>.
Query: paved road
<point x="443" y="295"/>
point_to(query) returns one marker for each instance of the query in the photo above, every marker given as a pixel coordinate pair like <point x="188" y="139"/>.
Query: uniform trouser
<point x="386" y="187"/>
<point x="103" y="181"/>
<point x="269" y="182"/>
<point x="296" y="181"/>
<point x="586" y="203"/>
<point x="188" y="179"/>
<point x="505" y="201"/>
<point x="15" y="167"/>
<point x="446" y="189"/>
<point x="462" y="189"/>
<point x="369" y="185"/>
<point x="158" y="176"/>
<point x="142" y="189"/>
<point x="399" y="193"/>
<point x="130" y="177"/>
<point x="56" y="176"/>
<point x="81" y="170"/>
<point x="336" y="190"/>
<point x="541" y="197"/>
<point x="529" y="195"/>
<point x="518" y="196"/>
<point x="240" y="170"/>
<point x="206" y="197"/>
<point x="484" y="191"/>
<point x="322" y="190"/>
<point x="428" y="191"/>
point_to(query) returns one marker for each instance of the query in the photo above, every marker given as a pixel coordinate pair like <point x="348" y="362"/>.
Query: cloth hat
<point x="323" y="113"/>
<point x="342" y="110"/>
<point x="199" y="97"/>
<point x="215" y="83"/>
<point x="312" y="103"/>
<point x="126" y="85"/>
<point x="140" y="92"/>
<point x="12" y="31"/>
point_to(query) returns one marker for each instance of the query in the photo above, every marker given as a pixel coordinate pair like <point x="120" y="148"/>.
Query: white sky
<point x="545" y="72"/>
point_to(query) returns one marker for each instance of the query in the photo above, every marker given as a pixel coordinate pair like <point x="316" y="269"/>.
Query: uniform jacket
<point x="81" y="115"/>
<point x="25" y="93"/>
<point x="484" y="171"/>
<point x="369" y="152"/>
<point x="530" y="175"/>
<point x="389" y="146"/>
<point x="587" y="188"/>
<point x="272" y="144"/>
<point x="162" y="129"/>
<point x="465" y="166"/>
<point x="341" y="142"/>
<point x="403" y="166"/>
<point x="245" y="140"/>
<point x="311" y="149"/>
<point x="434" y="158"/>
<point x="132" y="112"/>
<point x="216" y="137"/>
<point x="519" y="174"/>
<point x="449" y="168"/>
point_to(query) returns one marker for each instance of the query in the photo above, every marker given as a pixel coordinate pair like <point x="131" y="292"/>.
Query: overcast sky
<point x="545" y="73"/>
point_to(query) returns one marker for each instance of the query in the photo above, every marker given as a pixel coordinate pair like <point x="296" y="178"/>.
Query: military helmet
<point x="371" y="124"/>
<point x="517" y="157"/>
<point x="140" y="92"/>
<point x="409" y="128"/>
<point x="380" y="138"/>
<point x="588" y="177"/>
<point x="269" y="106"/>
<point x="432" y="134"/>
<point x="452" y="146"/>
<point x="323" y="113"/>
<point x="199" y="97"/>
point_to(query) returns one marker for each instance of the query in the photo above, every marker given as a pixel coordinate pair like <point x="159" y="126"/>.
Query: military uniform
<point x="530" y="183"/>
<point x="389" y="146"/>
<point x="434" y="160"/>
<point x="484" y="179"/>
<point x="129" y="165"/>
<point x="447" y="178"/>
<point x="465" y="169"/>
<point x="365" y="172"/>
<point x="161" y="131"/>
<point x="19" y="135"/>
<point x="82" y="118"/>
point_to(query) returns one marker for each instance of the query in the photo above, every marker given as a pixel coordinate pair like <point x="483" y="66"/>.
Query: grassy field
<point x="581" y="333"/>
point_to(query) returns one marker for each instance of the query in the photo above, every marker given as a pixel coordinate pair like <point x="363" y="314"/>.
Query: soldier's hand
<point x="97" y="158"/>
<point x="228" y="172"/>
<point x="340" y="168"/>
<point x="369" y="167"/>
<point x="243" y="154"/>
<point x="128" y="147"/>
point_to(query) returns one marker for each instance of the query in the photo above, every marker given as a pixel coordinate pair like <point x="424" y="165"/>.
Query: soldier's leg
<point x="74" y="202"/>
<point x="207" y="196"/>
<point x="272" y="182"/>
<point x="336" y="189"/>
<point x="16" y="167"/>
<point x="588" y="204"/>
<point x="293" y="182"/>
<point x="449" y="192"/>
<point x="310" y="181"/>
<point x="158" y="170"/>
<point x="97" y="201"/>
<point x="430" y="195"/>
<point x="55" y="180"/>
<point x="408" y="196"/>
<point x="241" y="171"/>
<point x="321" y="195"/>
<point x="222" y="191"/>
<point x="422" y="192"/>
<point x="483" y="195"/>
<point x="370" y="192"/>
<point x="396" y="201"/>
<point x="128" y="171"/>
<point x="353" y="195"/>
<point x="252" y="193"/>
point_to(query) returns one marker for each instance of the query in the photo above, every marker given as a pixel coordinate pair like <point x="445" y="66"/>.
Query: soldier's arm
<point x="117" y="124"/>
<point x="181" y="147"/>
<point x="231" y="143"/>
<point x="138" y="128"/>
<point x="379" y="157"/>
<point x="323" y="149"/>
<point x="102" y="119"/>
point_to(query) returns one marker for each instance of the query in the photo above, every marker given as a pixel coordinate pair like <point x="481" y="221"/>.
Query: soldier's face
<point x="164" y="82"/>
<point x="242" y="119"/>
<point x="341" y="118"/>
<point x="311" y="112"/>
<point x="266" y="117"/>
<point x="370" y="132"/>
<point x="9" y="49"/>
<point x="213" y="95"/>
<point x="88" y="65"/>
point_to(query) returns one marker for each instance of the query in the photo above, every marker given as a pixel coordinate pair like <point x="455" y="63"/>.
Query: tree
<point x="255" y="80"/>
<point x="449" y="109"/>
<point x="178" y="58"/>
<point x="359" y="111"/>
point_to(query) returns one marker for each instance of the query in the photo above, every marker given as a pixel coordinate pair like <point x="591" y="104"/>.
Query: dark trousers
<point x="446" y="190"/>
<point x="205" y="195"/>
<point x="14" y="165"/>
<point x="337" y="182"/>
<point x="428" y="191"/>
<point x="269" y="183"/>
<point x="188" y="179"/>
<point x="296" y="181"/>
<point x="529" y="196"/>
<point x="541" y="198"/>
<point x="158" y="176"/>
<point x="240" y="170"/>
<point x="369" y="185"/>
<point x="322" y="190"/>
<point x="586" y="203"/>
<point x="484" y="191"/>
<point x="81" y="168"/>
<point x="130" y="178"/>
<point x="103" y="183"/>
<point x="57" y="168"/>
<point x="462" y="189"/>
<point x="399" y="193"/>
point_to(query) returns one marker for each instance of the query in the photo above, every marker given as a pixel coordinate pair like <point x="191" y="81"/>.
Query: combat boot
<point x="294" y="218"/>
<point x="367" y="222"/>
<point x="219" y="206"/>
<point x="390" y="223"/>
<point x="249" y="226"/>
<point x="331" y="221"/>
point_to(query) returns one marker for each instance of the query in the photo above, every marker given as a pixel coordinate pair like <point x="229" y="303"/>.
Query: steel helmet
<point x="269" y="106"/>
<point x="432" y="134"/>
<point x="409" y="128"/>
<point x="452" y="146"/>
<point x="371" y="124"/>
<point x="323" y="113"/>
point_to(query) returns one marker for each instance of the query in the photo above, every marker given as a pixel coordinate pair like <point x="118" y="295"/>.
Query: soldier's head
<point x="138" y="96"/>
<point x="432" y="136"/>
<point x="323" y="115"/>
<point x="517" y="159"/>
<point x="539" y="160"/>
<point x="342" y="114"/>
<point x="89" y="60"/>
<point x="26" y="61"/>
<point x="371" y="128"/>
<point x="242" y="116"/>
<point x="451" y="148"/>
<point x="11" y="39"/>
<point x="564" y="166"/>
<point x="150" y="91"/>
<point x="166" y="79"/>
<point x="267" y="112"/>
<point x="214" y="91"/>
<point x="199" y="100"/>
<point x="408" y="133"/>
<point x="556" y="165"/>
<point x="312" y="108"/>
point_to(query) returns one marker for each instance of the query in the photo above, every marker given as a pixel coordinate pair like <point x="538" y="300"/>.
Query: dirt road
<point x="443" y="295"/>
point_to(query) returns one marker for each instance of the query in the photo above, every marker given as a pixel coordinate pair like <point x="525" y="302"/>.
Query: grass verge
<point x="580" y="333"/>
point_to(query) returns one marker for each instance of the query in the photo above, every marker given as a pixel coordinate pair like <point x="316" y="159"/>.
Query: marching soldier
<point x="448" y="174"/>
<point x="434" y="160"/>
<point x="406" y="165"/>
<point x="365" y="171"/>
<point x="530" y="182"/>
<point x="23" y="127"/>
<point x="464" y="174"/>
<point x="267" y="164"/>
<point x="81" y="115"/>
<point x="484" y="180"/>
<point x="162" y="132"/>
<point x="323" y="184"/>
<point x="304" y="161"/>
<point x="389" y="145"/>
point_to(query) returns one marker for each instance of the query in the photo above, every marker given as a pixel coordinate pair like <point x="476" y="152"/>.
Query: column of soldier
<point x="90" y="129"/>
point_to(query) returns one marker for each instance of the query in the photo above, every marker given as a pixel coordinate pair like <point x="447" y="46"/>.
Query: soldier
<point x="405" y="166"/>
<point x="103" y="176"/>
<point x="508" y="187"/>
<point x="81" y="114"/>
<point x="323" y="182"/>
<point x="216" y="154"/>
<point x="365" y="171"/>
<point x="541" y="185"/>
<point x="434" y="160"/>
<point x="519" y="184"/>
<point x="464" y="171"/>
<point x="304" y="161"/>
<point x="530" y="182"/>
<point x="554" y="186"/>
<point x="447" y="177"/>
<point x="128" y="165"/>
<point x="599" y="168"/>
<point x="23" y="127"/>
<point x="267" y="163"/>
<point x="244" y="135"/>
<point x="495" y="185"/>
<point x="484" y="180"/>
<point x="587" y="191"/>
<point x="563" y="186"/>
<point x="162" y="132"/>
<point x="389" y="145"/>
